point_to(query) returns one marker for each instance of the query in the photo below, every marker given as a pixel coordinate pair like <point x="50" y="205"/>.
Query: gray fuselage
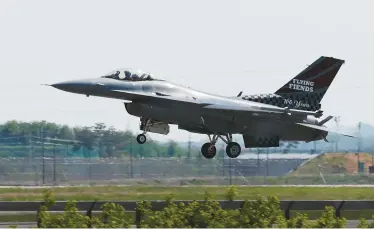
<point x="189" y="117"/>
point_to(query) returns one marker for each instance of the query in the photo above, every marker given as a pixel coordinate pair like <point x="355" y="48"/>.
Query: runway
<point x="87" y="186"/>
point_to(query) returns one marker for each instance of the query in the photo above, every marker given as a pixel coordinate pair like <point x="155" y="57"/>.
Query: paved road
<point x="106" y="185"/>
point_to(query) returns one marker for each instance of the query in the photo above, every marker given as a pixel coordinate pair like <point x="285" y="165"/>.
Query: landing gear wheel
<point x="233" y="150"/>
<point x="208" y="150"/>
<point x="141" y="138"/>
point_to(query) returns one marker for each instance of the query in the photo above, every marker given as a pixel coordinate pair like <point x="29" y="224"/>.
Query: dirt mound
<point x="335" y="163"/>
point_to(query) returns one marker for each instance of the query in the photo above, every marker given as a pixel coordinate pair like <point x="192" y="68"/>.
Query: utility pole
<point x="315" y="147"/>
<point x="43" y="154"/>
<point x="267" y="162"/>
<point x="359" y="147"/>
<point x="223" y="160"/>
<point x="230" y="171"/>
<point x="29" y="146"/>
<point x="131" y="171"/>
<point x="258" y="162"/>
<point x="189" y="147"/>
<point x="54" y="163"/>
<point x="89" y="164"/>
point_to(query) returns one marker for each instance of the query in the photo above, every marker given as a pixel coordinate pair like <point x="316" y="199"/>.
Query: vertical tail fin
<point x="306" y="90"/>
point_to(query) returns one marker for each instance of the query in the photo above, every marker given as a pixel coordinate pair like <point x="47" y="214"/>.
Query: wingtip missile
<point x="328" y="118"/>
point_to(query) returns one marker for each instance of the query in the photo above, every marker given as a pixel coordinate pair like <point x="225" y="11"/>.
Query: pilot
<point x="116" y="76"/>
<point x="128" y="75"/>
<point x="149" y="77"/>
<point x="135" y="77"/>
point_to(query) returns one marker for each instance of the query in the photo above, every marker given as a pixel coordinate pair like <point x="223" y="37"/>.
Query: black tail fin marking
<point x="306" y="90"/>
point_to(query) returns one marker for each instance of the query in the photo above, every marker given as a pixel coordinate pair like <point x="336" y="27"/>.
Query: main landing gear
<point x="209" y="149"/>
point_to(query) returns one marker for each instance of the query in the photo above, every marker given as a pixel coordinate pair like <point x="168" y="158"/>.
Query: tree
<point x="172" y="149"/>
<point x="86" y="136"/>
<point x="65" y="132"/>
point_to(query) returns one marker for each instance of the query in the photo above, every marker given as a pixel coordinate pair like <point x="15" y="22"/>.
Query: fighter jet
<point x="292" y="113"/>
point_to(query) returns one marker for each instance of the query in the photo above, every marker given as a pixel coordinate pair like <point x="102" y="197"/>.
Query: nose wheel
<point x="141" y="138"/>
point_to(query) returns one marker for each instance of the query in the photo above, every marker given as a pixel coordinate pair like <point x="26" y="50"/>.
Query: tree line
<point x="106" y="140"/>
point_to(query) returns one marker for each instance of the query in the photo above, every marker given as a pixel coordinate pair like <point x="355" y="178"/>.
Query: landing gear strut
<point x="209" y="150"/>
<point x="144" y="125"/>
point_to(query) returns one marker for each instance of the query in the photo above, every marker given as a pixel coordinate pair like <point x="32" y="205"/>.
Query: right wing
<point x="323" y="128"/>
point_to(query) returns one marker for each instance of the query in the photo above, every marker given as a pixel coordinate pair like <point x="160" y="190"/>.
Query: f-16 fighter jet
<point x="292" y="113"/>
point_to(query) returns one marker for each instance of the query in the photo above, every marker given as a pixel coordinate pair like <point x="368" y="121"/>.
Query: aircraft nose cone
<point x="61" y="86"/>
<point x="75" y="86"/>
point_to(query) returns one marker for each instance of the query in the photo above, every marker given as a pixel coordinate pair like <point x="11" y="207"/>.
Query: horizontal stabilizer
<point x="323" y="128"/>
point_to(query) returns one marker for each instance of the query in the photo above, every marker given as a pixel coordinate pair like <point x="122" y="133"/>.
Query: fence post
<point x="337" y="210"/>
<point x="89" y="213"/>
<point x="138" y="217"/>
<point x="288" y="209"/>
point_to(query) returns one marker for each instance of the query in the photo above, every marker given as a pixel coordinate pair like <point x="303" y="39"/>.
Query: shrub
<point x="365" y="224"/>
<point x="195" y="214"/>
<point x="329" y="220"/>
<point x="112" y="216"/>
<point x="260" y="213"/>
<point x="299" y="221"/>
<point x="231" y="193"/>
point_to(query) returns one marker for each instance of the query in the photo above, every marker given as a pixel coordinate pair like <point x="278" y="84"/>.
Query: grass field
<point x="190" y="193"/>
<point x="187" y="193"/>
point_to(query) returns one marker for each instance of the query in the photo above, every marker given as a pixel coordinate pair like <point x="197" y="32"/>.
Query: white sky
<point x="215" y="46"/>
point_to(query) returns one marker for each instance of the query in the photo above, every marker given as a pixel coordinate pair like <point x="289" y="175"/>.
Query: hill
<point x="330" y="163"/>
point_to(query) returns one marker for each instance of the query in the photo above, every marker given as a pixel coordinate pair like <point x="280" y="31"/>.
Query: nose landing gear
<point x="144" y="125"/>
<point x="141" y="138"/>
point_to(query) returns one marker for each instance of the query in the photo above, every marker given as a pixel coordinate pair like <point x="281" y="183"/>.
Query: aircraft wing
<point x="239" y="108"/>
<point x="167" y="101"/>
<point x="159" y="98"/>
<point x="323" y="128"/>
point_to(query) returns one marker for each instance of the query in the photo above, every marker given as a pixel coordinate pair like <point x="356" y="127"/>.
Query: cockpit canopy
<point x="128" y="75"/>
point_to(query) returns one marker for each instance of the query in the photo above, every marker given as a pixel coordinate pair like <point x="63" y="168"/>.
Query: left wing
<point x="240" y="109"/>
<point x="323" y="128"/>
<point x="158" y="98"/>
<point x="191" y="102"/>
<point x="167" y="100"/>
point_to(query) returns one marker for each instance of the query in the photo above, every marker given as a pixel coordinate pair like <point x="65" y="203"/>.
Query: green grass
<point x="187" y="193"/>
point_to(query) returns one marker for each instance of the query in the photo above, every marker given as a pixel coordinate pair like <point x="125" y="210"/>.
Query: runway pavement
<point x="106" y="185"/>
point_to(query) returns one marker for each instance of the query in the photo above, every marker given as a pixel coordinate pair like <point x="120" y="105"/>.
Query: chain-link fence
<point x="132" y="171"/>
